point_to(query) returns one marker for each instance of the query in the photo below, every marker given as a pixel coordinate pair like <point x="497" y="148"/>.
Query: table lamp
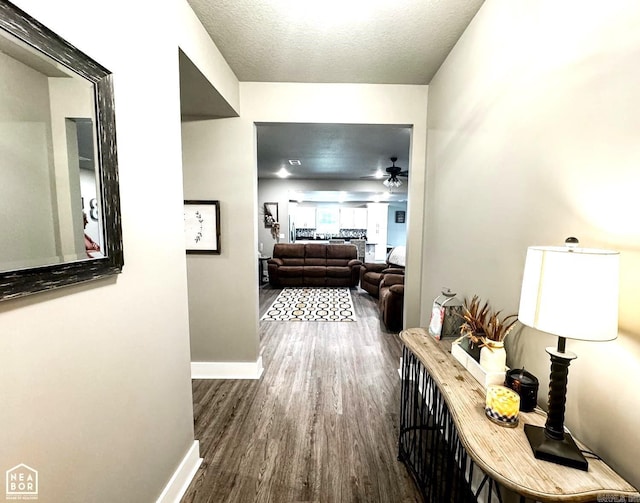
<point x="570" y="292"/>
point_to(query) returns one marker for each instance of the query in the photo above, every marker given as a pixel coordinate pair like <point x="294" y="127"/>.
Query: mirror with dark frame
<point x="59" y="196"/>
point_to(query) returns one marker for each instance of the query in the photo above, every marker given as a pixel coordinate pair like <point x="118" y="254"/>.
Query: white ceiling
<point x="356" y="41"/>
<point x="324" y="41"/>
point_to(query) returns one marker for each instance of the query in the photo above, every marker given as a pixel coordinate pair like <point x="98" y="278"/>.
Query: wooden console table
<point x="456" y="454"/>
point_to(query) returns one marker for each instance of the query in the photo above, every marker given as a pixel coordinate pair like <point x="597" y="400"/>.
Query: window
<point x="328" y="220"/>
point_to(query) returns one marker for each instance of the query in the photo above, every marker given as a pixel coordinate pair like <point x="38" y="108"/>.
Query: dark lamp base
<point x="563" y="452"/>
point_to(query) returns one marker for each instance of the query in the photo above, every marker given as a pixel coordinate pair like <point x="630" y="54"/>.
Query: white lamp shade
<point x="572" y="294"/>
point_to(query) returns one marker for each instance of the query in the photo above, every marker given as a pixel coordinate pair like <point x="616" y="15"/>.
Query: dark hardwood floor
<point x="320" y="425"/>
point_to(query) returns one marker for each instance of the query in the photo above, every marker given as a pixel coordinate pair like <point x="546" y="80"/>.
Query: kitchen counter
<point x="318" y="241"/>
<point x="325" y="241"/>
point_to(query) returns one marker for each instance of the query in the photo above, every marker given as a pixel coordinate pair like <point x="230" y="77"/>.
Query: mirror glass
<point x="59" y="205"/>
<point x="47" y="161"/>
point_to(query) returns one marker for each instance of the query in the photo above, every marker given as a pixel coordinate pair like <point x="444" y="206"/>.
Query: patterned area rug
<point x="312" y="304"/>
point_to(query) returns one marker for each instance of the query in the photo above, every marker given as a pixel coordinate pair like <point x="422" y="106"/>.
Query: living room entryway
<point x="324" y="183"/>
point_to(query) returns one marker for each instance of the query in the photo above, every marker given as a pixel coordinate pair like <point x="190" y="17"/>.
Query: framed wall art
<point x="270" y="214"/>
<point x="202" y="226"/>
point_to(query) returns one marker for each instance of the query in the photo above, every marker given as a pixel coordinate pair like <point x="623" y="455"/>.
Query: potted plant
<point x="493" y="357"/>
<point x="472" y="329"/>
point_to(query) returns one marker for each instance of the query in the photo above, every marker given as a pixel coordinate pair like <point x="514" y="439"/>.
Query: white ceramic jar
<point x="493" y="357"/>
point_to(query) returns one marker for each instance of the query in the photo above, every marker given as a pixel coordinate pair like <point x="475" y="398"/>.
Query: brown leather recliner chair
<point x="371" y="273"/>
<point x="391" y="301"/>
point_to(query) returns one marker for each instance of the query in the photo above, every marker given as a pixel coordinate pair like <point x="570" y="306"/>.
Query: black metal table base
<point x="429" y="444"/>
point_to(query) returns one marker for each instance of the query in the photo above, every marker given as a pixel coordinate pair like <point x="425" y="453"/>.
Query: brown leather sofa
<point x="391" y="301"/>
<point x="314" y="264"/>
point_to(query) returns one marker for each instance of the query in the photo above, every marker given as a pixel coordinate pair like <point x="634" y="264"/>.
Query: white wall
<point x="533" y="137"/>
<point x="95" y="378"/>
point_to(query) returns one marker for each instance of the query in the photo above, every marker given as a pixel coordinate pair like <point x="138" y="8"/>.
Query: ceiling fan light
<point x="392" y="182"/>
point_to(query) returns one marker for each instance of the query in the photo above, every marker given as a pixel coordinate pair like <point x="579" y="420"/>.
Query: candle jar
<point x="502" y="405"/>
<point x="526" y="385"/>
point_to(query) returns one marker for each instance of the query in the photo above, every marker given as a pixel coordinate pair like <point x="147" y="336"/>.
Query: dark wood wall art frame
<point x="202" y="226"/>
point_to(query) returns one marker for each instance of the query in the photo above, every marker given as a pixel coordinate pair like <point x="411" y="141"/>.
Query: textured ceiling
<point x="331" y="151"/>
<point x="354" y="41"/>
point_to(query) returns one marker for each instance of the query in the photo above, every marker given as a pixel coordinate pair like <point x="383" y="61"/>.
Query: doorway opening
<point x="327" y="182"/>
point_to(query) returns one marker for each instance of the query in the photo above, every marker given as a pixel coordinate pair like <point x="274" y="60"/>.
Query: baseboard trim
<point x="182" y="477"/>
<point x="227" y="370"/>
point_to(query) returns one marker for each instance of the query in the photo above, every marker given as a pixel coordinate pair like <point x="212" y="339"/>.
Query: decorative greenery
<point x="496" y="329"/>
<point x="475" y="316"/>
<point x="481" y="324"/>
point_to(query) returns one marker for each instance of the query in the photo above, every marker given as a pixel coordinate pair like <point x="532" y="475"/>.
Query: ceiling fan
<point x="394" y="172"/>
